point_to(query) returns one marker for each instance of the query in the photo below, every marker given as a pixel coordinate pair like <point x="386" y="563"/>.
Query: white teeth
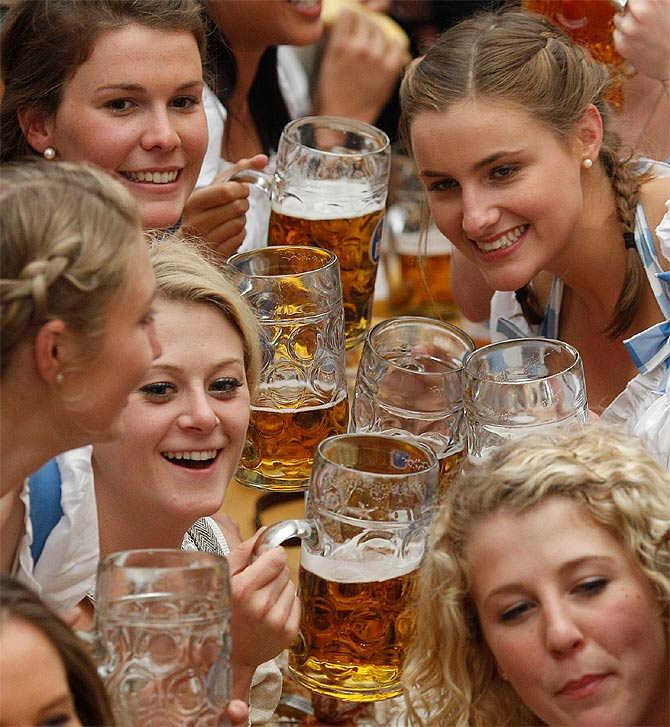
<point x="509" y="238"/>
<point x="153" y="177"/>
<point x="206" y="454"/>
<point x="304" y="3"/>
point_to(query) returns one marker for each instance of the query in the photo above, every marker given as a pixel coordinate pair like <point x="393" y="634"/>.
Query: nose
<point x="160" y="132"/>
<point x="198" y="413"/>
<point x="480" y="213"/>
<point x="562" y="632"/>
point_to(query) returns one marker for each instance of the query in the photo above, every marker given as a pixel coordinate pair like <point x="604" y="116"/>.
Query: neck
<point x="593" y="264"/>
<point x="125" y="525"/>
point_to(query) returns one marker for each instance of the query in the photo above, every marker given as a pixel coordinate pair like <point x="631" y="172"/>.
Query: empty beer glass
<point x="409" y="382"/>
<point x="302" y="397"/>
<point x="162" y="637"/>
<point x="515" y="387"/>
<point x="329" y="190"/>
<point x="368" y="510"/>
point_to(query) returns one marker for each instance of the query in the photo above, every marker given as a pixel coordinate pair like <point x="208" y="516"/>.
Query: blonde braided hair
<point x="67" y="237"/>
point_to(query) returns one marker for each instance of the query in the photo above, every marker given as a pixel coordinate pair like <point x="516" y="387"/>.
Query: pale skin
<point x="642" y="37"/>
<point x="194" y="399"/>
<point x="488" y="176"/>
<point x="572" y="621"/>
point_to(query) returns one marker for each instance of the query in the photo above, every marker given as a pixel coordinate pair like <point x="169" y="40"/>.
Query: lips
<point x="152" y="176"/>
<point x="583" y="687"/>
<point x="499" y="242"/>
<point x="192" y="459"/>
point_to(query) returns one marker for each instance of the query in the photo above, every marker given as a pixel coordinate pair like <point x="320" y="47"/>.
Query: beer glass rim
<point x="339" y="123"/>
<point x="191" y="560"/>
<point x="433" y="463"/>
<point x="329" y="260"/>
<point x="458" y="333"/>
<point x="576" y="363"/>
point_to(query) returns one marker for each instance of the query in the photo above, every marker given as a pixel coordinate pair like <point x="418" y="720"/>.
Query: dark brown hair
<point x="17" y="602"/>
<point x="43" y="42"/>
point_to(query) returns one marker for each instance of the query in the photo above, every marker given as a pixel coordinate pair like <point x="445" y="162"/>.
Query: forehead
<point x="188" y="322"/>
<point x="134" y="49"/>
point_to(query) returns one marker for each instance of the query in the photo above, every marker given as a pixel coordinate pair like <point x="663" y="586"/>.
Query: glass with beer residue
<point x="409" y="383"/>
<point x="302" y="396"/>
<point x="368" y="510"/>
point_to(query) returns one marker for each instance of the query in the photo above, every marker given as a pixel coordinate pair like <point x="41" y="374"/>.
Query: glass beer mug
<point x="161" y="637"/>
<point x="368" y="509"/>
<point x="409" y="382"/>
<point x="302" y="396"/>
<point x="515" y="387"/>
<point x="329" y="190"/>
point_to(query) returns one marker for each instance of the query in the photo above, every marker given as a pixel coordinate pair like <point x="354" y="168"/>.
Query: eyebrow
<point x="136" y="87"/>
<point x="478" y="165"/>
<point x="173" y="369"/>
<point x="564" y="568"/>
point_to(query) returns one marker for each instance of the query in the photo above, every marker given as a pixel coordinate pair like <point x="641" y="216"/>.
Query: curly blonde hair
<point x="450" y="676"/>
<point x="67" y="238"/>
<point x="522" y="59"/>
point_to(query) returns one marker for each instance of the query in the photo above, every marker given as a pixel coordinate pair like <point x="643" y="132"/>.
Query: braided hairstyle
<point x="521" y="58"/>
<point x="66" y="241"/>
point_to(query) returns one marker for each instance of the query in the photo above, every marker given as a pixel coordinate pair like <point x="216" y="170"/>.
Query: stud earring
<point x="587" y="163"/>
<point x="59" y="377"/>
<point x="49" y="153"/>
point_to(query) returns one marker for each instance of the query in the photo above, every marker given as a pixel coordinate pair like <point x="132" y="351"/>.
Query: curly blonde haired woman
<point x="545" y="596"/>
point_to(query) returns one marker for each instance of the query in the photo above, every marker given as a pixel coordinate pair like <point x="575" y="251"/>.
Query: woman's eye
<point x="443" y="185"/>
<point x="119" y="104"/>
<point x="185" y="102"/>
<point x="225" y="385"/>
<point x="592" y="586"/>
<point x="56" y="720"/>
<point x="157" y="389"/>
<point x="514" y="612"/>
<point x="504" y="172"/>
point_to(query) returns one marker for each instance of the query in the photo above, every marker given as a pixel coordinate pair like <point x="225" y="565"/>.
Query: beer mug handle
<point x="253" y="177"/>
<point x="279" y="532"/>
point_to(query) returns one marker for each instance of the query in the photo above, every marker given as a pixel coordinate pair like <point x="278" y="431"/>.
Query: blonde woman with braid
<point x="506" y="120"/>
<point x="77" y="336"/>
<point x="545" y="595"/>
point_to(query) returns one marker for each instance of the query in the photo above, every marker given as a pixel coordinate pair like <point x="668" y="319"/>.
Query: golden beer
<point x="450" y="466"/>
<point x="353" y="633"/>
<point x="355" y="241"/>
<point x="421" y="285"/>
<point x="279" y="450"/>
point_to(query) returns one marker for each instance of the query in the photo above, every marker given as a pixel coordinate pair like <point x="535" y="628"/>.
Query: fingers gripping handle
<point x="276" y="534"/>
<point x="253" y="177"/>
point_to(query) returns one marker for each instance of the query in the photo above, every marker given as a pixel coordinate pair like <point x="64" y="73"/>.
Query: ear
<point x="49" y="350"/>
<point x="589" y="134"/>
<point x="37" y="128"/>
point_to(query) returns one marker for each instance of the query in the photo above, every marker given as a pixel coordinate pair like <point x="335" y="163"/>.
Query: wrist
<point x="241" y="681"/>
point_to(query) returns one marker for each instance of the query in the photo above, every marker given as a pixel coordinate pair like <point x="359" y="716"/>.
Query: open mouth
<point x="194" y="460"/>
<point x="305" y="4"/>
<point x="152" y="177"/>
<point x="506" y="240"/>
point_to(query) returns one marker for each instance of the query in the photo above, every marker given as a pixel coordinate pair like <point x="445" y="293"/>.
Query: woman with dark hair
<point x="47" y="676"/>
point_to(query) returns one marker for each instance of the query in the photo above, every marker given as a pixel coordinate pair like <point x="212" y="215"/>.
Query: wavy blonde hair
<point x="67" y="236"/>
<point x="187" y="271"/>
<point x="522" y="59"/>
<point x="450" y="676"/>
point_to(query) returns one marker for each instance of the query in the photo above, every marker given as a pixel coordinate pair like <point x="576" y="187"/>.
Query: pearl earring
<point x="59" y="377"/>
<point x="49" y="153"/>
<point x="587" y="163"/>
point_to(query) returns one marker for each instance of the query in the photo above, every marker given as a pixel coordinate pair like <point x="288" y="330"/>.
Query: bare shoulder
<point x="654" y="196"/>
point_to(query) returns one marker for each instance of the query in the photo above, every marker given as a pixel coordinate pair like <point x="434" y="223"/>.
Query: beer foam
<point x="363" y="570"/>
<point x="330" y="199"/>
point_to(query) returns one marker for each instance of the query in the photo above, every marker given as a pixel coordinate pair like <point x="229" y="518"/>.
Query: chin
<point x="160" y="218"/>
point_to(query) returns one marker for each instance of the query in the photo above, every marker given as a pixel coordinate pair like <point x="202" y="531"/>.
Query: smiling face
<point x="184" y="428"/>
<point x="134" y="108"/>
<point x="30" y="695"/>
<point x="502" y="187"/>
<point x="572" y="622"/>
<point x="274" y="22"/>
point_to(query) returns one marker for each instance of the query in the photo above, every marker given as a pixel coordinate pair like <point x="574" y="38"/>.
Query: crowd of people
<point x="130" y="359"/>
